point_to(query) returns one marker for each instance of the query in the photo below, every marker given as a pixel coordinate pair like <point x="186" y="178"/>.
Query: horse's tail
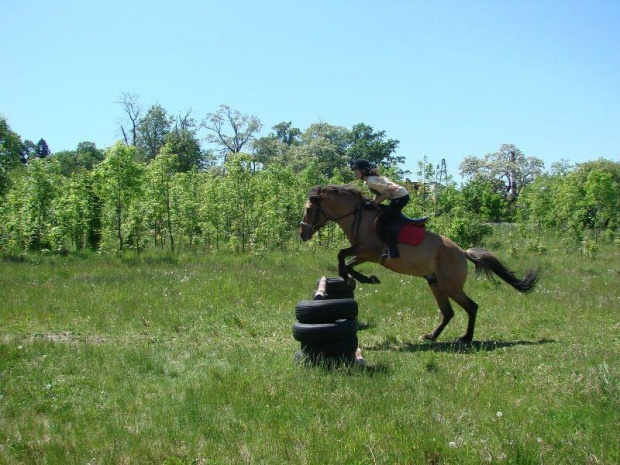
<point x="488" y="263"/>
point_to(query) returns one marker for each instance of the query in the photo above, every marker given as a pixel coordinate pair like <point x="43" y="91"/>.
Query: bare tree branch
<point x="133" y="109"/>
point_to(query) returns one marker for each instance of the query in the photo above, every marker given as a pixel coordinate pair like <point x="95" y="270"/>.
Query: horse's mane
<point x="346" y="190"/>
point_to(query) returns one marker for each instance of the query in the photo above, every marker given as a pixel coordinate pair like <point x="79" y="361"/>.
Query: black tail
<point x="488" y="263"/>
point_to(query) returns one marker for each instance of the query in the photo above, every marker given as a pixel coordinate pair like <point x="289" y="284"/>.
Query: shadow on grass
<point x="348" y="365"/>
<point x="454" y="346"/>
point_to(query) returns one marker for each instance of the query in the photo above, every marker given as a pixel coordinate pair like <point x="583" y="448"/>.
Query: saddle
<point x="408" y="230"/>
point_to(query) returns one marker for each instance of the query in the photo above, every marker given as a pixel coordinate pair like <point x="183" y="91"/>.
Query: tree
<point x="30" y="149"/>
<point x="88" y="155"/>
<point x="118" y="183"/>
<point x="602" y="195"/>
<point x="326" y="145"/>
<point x="186" y="189"/>
<point x="184" y="143"/>
<point x="509" y="168"/>
<point x="12" y="153"/>
<point x="133" y="110"/>
<point x="479" y="197"/>
<point x="152" y="132"/>
<point x="372" y="146"/>
<point x="84" y="158"/>
<point x="43" y="186"/>
<point x="159" y="176"/>
<point x="185" y="146"/>
<point x="244" y="130"/>
<point x="276" y="147"/>
<point x="287" y="134"/>
<point x="42" y="150"/>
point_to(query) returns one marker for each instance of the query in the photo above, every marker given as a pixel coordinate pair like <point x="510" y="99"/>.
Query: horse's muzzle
<point x="305" y="231"/>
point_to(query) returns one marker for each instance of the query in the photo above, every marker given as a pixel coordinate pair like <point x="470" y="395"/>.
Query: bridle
<point x="319" y="210"/>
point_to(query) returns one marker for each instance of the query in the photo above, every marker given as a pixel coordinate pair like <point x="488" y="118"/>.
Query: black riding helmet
<point x="363" y="165"/>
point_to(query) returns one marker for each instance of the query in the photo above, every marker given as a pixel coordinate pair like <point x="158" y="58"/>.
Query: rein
<point x="319" y="210"/>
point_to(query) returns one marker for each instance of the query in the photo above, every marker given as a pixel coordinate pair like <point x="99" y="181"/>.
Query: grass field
<point x="190" y="360"/>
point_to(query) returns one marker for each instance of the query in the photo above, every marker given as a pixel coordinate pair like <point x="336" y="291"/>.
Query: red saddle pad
<point x="411" y="234"/>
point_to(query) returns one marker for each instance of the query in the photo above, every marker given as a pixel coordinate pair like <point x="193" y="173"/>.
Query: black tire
<point x="325" y="311"/>
<point x="338" y="285"/>
<point x="323" y="333"/>
<point x="346" y="347"/>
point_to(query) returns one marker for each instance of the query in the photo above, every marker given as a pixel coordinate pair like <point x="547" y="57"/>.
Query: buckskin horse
<point x="437" y="258"/>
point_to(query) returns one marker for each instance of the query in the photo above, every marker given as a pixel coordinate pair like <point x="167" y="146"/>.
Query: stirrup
<point x="394" y="253"/>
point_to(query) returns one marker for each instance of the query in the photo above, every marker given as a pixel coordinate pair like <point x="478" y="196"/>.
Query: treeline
<point x="127" y="198"/>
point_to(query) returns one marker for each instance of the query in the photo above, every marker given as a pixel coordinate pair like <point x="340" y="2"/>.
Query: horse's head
<point x="326" y="204"/>
<point x="314" y="216"/>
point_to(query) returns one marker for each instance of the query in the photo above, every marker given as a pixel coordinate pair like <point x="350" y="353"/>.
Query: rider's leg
<point x="389" y="218"/>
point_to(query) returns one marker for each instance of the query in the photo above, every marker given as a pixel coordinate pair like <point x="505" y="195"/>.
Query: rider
<point x="383" y="189"/>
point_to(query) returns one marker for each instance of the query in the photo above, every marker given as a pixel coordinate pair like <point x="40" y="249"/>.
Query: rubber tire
<point x="337" y="285"/>
<point x="346" y="347"/>
<point x="323" y="333"/>
<point x="325" y="310"/>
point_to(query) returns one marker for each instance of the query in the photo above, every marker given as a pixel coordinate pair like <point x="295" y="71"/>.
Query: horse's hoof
<point x="463" y="340"/>
<point x="374" y="279"/>
<point x="427" y="337"/>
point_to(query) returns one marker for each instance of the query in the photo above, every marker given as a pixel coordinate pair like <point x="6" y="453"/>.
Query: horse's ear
<point x="315" y="194"/>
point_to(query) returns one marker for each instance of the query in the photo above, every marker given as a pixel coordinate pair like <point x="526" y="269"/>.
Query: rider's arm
<point x="381" y="197"/>
<point x="384" y="189"/>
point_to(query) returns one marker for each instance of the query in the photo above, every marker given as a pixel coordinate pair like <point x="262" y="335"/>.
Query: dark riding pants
<point x="393" y="210"/>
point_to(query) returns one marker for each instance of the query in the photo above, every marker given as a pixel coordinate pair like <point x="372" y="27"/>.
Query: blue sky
<point x="447" y="79"/>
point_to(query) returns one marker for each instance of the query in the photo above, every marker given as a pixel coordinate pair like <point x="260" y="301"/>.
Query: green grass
<point x="190" y="360"/>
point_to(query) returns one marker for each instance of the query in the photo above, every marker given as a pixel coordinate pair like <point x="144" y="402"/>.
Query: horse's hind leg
<point x="444" y="308"/>
<point x="471" y="308"/>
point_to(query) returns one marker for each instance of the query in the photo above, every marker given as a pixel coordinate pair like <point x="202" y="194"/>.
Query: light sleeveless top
<point x="381" y="184"/>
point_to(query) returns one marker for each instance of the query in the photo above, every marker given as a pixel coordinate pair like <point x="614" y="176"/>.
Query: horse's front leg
<point x="345" y="269"/>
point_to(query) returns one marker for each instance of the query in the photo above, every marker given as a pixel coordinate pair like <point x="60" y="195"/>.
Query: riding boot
<point x="390" y="238"/>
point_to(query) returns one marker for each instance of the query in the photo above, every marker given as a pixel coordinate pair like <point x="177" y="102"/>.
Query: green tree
<point x="43" y="185"/>
<point x="602" y="200"/>
<point x="479" y="197"/>
<point x="276" y="147"/>
<point x="509" y="168"/>
<point x="538" y="202"/>
<point x="280" y="196"/>
<point x="12" y="153"/>
<point x="187" y="189"/>
<point x="12" y="211"/>
<point x="118" y="183"/>
<point x="326" y="145"/>
<point x="373" y="146"/>
<point x="42" y="150"/>
<point x="84" y="158"/>
<point x="159" y="181"/>
<point x="152" y="132"/>
<point x="186" y="147"/>
<point x="238" y="194"/>
<point x="70" y="214"/>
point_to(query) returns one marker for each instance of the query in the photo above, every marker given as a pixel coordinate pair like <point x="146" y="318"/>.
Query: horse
<point x="437" y="259"/>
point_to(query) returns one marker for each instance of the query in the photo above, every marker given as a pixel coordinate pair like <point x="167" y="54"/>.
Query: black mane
<point x="336" y="189"/>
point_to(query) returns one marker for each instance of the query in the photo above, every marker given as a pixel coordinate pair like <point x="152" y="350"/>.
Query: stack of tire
<point x="326" y="327"/>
